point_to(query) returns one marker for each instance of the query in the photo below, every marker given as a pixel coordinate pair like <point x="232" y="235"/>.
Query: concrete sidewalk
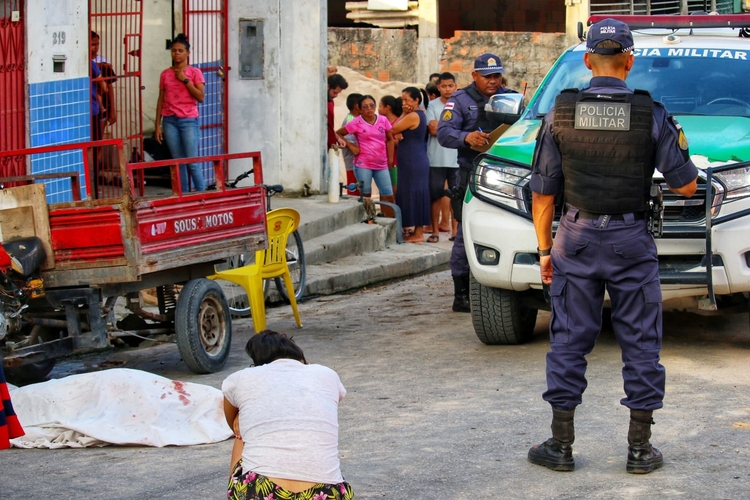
<point x="344" y="254"/>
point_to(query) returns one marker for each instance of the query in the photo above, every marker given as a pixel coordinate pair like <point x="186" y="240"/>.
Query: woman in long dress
<point x="413" y="195"/>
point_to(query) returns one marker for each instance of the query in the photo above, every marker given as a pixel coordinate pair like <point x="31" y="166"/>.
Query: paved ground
<point x="431" y="413"/>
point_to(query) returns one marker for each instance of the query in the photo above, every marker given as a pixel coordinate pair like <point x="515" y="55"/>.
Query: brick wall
<point x="390" y="54"/>
<point x="381" y="54"/>
<point x="526" y="57"/>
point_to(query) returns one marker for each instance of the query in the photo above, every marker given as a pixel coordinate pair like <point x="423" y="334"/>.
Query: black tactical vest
<point x="607" y="149"/>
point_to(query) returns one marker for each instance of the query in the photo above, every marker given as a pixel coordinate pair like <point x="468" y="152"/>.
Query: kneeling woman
<point x="284" y="413"/>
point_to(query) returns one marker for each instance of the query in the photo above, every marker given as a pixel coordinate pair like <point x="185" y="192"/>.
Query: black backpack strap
<point x="474" y="93"/>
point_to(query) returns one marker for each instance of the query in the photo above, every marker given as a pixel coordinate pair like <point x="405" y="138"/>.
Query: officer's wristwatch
<point x="544" y="253"/>
<point x="186" y="81"/>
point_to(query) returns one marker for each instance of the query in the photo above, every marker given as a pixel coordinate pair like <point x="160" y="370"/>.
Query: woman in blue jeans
<point x="180" y="91"/>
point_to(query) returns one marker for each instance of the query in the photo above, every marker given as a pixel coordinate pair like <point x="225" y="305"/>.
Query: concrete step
<point x="354" y="239"/>
<point x="343" y="254"/>
<point x="394" y="262"/>
<point x="319" y="217"/>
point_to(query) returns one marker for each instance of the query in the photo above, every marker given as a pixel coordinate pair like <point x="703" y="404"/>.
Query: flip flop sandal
<point x="434" y="238"/>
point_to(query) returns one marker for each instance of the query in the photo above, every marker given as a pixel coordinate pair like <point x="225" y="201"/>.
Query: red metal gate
<point x="119" y="24"/>
<point x="205" y="23"/>
<point x="12" y="87"/>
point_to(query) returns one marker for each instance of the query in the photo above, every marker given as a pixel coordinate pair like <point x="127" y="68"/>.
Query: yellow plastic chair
<point x="269" y="263"/>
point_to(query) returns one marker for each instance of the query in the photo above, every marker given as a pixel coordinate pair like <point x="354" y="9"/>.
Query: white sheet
<point x="118" y="406"/>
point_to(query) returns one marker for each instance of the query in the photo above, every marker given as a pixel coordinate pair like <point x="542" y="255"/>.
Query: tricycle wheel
<point x="203" y="326"/>
<point x="32" y="372"/>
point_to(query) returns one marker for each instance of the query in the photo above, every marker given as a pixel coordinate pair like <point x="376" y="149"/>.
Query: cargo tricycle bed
<point x="64" y="265"/>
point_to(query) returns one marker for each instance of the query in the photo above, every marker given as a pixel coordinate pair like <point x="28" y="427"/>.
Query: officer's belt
<point x="582" y="214"/>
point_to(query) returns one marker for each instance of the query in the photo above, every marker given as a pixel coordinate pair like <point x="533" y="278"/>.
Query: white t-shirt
<point x="288" y="420"/>
<point x="438" y="155"/>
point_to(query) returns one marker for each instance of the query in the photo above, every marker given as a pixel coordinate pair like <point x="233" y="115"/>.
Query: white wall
<point x="157" y="29"/>
<point x="282" y="115"/>
<point x="58" y="27"/>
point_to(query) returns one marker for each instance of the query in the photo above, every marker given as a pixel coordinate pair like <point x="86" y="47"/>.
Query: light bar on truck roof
<point x="677" y="22"/>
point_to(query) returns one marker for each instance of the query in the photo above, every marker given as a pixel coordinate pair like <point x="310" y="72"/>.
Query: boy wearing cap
<point x="463" y="124"/>
<point x="599" y="146"/>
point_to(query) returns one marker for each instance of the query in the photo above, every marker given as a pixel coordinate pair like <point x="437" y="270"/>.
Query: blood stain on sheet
<point x="180" y="388"/>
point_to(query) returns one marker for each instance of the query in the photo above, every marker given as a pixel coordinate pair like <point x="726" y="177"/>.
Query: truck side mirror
<point x="504" y="108"/>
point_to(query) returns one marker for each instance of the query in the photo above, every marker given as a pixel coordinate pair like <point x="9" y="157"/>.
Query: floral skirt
<point x="252" y="486"/>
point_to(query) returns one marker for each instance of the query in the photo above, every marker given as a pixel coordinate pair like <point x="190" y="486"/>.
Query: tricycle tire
<point x="203" y="326"/>
<point x="31" y="373"/>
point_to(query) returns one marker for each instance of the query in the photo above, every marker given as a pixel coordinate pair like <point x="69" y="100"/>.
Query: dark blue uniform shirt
<point x="672" y="161"/>
<point x="458" y="119"/>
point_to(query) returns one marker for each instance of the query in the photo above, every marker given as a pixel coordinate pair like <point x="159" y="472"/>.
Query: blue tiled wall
<point x="59" y="113"/>
<point x="211" y="118"/>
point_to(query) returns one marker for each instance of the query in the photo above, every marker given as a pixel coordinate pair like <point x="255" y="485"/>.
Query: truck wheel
<point x="203" y="326"/>
<point x="498" y="316"/>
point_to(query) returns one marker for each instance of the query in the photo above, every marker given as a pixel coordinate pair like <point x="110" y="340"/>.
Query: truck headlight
<point x="736" y="181"/>
<point x="501" y="184"/>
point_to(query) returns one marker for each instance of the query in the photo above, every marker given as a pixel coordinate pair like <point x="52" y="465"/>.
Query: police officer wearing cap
<point x="464" y="124"/>
<point x="599" y="147"/>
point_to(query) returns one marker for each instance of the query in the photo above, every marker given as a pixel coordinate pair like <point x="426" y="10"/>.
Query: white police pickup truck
<point x="698" y="67"/>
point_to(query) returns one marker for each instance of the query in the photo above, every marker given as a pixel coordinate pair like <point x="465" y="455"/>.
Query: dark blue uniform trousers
<point x="587" y="256"/>
<point x="459" y="262"/>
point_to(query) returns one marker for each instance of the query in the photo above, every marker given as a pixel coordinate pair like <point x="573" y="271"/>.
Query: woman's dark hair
<point x="364" y="98"/>
<point x="268" y="346"/>
<point x="432" y="90"/>
<point x="414" y="93"/>
<point x="183" y="39"/>
<point x="393" y="103"/>
<point x="399" y="108"/>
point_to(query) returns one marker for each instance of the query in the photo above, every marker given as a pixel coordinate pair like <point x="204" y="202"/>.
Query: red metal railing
<point x="87" y="149"/>
<point x="12" y="86"/>
<point x="220" y="169"/>
<point x="119" y="24"/>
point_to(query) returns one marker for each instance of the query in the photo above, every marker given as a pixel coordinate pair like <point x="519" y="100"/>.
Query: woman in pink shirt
<point x="375" y="142"/>
<point x="180" y="91"/>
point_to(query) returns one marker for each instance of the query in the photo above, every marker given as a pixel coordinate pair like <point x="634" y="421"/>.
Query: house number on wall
<point x="58" y="38"/>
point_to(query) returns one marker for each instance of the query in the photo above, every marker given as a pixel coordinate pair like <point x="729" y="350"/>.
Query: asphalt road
<point x="431" y="413"/>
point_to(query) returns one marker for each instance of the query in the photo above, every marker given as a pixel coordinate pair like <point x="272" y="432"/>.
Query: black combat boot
<point x="556" y="453"/>
<point x="642" y="456"/>
<point x="461" y="294"/>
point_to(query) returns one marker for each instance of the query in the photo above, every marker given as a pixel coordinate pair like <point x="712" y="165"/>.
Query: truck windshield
<point x="687" y="81"/>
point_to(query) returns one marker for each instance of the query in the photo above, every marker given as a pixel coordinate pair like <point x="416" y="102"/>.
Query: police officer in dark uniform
<point x="464" y="124"/>
<point x="599" y="147"/>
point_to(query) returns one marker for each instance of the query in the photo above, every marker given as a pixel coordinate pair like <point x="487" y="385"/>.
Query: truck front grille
<point x="677" y="208"/>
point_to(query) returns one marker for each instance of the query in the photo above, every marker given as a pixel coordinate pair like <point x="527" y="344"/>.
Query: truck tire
<point x="203" y="326"/>
<point x="498" y="316"/>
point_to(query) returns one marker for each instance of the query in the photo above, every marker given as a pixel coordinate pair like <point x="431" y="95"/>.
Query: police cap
<point x="488" y="64"/>
<point x="609" y="29"/>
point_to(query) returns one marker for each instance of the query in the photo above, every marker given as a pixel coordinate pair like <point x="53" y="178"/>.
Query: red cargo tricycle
<point x="64" y="265"/>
